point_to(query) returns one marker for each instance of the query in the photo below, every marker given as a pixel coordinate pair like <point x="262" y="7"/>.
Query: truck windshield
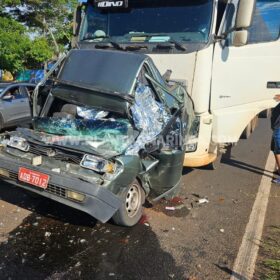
<point x="154" y="21"/>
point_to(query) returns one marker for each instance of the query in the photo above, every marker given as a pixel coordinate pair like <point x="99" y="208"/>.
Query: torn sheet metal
<point x="149" y="117"/>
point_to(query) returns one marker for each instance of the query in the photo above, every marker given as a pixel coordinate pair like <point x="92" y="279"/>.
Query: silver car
<point x="15" y="104"/>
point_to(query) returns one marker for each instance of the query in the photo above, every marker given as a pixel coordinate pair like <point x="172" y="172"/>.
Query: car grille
<point x="58" y="154"/>
<point x="53" y="189"/>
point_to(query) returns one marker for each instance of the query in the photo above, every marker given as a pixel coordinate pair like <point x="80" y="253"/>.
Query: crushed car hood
<point x="105" y="71"/>
<point x="98" y="145"/>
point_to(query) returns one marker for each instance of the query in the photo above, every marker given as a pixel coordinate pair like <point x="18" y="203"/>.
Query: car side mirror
<point x="7" y="98"/>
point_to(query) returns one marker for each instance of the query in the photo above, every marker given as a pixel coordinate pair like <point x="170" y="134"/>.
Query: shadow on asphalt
<point x="231" y="272"/>
<point x="57" y="242"/>
<point x="247" y="167"/>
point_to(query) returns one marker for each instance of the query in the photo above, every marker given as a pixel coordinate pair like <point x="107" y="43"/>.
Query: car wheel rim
<point x="133" y="201"/>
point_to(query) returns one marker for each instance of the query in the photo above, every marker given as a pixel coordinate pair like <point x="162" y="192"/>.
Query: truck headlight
<point x="18" y="143"/>
<point x="98" y="164"/>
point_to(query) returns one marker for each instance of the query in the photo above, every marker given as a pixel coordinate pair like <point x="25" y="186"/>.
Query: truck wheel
<point x="131" y="209"/>
<point x="247" y="131"/>
<point x="254" y="123"/>
<point x="266" y="114"/>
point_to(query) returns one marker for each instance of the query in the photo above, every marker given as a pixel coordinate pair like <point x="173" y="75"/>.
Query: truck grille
<point x="53" y="189"/>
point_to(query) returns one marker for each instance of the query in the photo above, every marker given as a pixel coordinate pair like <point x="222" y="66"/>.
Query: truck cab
<point x="226" y="53"/>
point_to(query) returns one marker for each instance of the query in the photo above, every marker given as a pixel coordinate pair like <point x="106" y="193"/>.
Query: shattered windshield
<point x="102" y="132"/>
<point x="104" y="137"/>
<point x="185" y="21"/>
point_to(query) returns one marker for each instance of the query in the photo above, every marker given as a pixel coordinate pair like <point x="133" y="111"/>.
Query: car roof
<point x="102" y="70"/>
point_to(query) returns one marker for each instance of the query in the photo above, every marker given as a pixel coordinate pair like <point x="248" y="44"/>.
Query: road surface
<point x="40" y="239"/>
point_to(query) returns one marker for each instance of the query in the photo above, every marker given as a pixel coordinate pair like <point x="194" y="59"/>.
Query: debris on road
<point x="222" y="230"/>
<point x="170" y="208"/>
<point x="42" y="257"/>
<point x="203" y="201"/>
<point x="48" y="234"/>
<point x="175" y="207"/>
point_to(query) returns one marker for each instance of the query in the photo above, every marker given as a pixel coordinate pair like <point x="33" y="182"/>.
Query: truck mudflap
<point x="99" y="202"/>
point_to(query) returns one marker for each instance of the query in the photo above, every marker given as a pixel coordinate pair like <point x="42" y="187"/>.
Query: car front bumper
<point x="99" y="202"/>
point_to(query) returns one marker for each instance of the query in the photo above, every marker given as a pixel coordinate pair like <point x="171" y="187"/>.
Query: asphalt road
<point x="40" y="239"/>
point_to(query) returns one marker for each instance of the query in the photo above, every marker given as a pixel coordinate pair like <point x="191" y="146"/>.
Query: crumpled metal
<point x="90" y="114"/>
<point x="149" y="118"/>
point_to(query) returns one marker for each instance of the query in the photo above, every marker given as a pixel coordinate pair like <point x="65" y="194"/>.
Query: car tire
<point x="131" y="209"/>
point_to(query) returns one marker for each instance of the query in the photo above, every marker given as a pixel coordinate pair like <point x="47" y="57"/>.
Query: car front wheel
<point x="131" y="209"/>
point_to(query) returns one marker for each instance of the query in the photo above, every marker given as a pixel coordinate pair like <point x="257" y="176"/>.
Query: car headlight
<point x="98" y="164"/>
<point x="18" y="143"/>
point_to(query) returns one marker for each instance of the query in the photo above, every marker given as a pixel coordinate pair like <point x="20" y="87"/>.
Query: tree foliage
<point x="45" y="16"/>
<point x="17" y="50"/>
<point x="49" y="21"/>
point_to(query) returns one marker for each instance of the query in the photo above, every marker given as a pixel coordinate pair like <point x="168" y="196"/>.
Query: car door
<point x="15" y="108"/>
<point x="245" y="78"/>
<point x="165" y="177"/>
<point x="27" y="92"/>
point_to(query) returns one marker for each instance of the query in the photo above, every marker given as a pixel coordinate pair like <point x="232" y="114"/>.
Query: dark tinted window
<point x="184" y="20"/>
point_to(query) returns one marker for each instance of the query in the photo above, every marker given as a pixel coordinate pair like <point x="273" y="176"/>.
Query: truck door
<point x="245" y="79"/>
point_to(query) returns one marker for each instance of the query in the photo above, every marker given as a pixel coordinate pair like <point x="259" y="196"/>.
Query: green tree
<point x="17" y="50"/>
<point x="13" y="45"/>
<point x="48" y="17"/>
<point x="38" y="53"/>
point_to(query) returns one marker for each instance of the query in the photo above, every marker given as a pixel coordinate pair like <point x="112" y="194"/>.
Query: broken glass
<point x="104" y="136"/>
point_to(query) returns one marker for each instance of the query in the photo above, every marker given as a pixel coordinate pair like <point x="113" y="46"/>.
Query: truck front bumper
<point x="99" y="202"/>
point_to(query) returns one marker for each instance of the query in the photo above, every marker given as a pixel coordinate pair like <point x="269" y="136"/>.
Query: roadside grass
<point x="269" y="264"/>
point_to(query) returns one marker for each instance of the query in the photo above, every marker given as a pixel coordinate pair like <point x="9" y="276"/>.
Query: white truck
<point x="225" y="52"/>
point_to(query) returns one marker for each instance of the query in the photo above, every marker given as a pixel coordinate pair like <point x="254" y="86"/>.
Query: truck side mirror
<point x="245" y="12"/>
<point x="240" y="38"/>
<point x="244" y="18"/>
<point x="7" y="98"/>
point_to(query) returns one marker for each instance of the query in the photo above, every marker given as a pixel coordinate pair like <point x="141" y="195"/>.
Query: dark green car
<point x="108" y="132"/>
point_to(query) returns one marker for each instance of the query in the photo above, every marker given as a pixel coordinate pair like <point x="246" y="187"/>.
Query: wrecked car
<point x="107" y="134"/>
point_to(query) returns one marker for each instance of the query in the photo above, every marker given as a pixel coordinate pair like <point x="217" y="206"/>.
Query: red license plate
<point x="34" y="178"/>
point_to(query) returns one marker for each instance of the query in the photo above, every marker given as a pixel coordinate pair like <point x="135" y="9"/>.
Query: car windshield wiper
<point x="167" y="44"/>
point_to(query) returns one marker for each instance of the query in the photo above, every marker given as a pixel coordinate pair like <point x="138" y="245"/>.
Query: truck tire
<point x="247" y="132"/>
<point x="266" y="114"/>
<point x="254" y="123"/>
<point x="131" y="209"/>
